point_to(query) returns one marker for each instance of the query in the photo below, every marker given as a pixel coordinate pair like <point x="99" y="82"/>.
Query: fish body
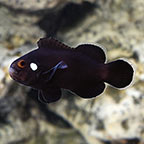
<point x="83" y="70"/>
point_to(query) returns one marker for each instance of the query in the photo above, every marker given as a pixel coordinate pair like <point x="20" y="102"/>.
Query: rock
<point x="26" y="21"/>
<point x="17" y="29"/>
<point x="30" y="6"/>
<point x="24" y="120"/>
<point x="116" y="116"/>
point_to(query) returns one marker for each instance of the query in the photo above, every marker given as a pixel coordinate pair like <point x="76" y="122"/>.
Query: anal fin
<point x="90" y="92"/>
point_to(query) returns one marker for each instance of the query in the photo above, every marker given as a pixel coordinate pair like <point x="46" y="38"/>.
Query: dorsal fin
<point x="51" y="43"/>
<point x="93" y="51"/>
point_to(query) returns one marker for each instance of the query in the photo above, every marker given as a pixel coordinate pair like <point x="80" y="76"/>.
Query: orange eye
<point x="21" y="64"/>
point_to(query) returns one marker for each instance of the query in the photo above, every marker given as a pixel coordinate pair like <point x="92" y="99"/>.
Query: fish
<point x="83" y="70"/>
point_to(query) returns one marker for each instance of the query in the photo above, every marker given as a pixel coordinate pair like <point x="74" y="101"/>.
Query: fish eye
<point x="33" y="66"/>
<point x="21" y="64"/>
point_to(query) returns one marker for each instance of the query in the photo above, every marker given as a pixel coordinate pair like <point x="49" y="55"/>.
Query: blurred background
<point x="115" y="117"/>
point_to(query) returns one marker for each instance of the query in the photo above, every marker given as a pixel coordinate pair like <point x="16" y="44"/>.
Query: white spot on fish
<point x="33" y="66"/>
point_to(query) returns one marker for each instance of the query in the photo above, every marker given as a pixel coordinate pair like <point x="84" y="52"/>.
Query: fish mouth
<point x="13" y="73"/>
<point x="16" y="75"/>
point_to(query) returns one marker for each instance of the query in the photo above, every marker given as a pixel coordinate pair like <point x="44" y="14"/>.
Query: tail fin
<point x="120" y="73"/>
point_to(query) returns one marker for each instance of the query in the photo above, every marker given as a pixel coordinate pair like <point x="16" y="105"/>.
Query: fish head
<point x="38" y="67"/>
<point x="26" y="69"/>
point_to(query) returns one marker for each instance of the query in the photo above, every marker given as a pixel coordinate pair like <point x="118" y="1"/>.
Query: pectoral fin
<point x="50" y="73"/>
<point x="49" y="95"/>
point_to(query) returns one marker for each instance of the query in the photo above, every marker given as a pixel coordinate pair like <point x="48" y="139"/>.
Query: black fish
<point x="82" y="70"/>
